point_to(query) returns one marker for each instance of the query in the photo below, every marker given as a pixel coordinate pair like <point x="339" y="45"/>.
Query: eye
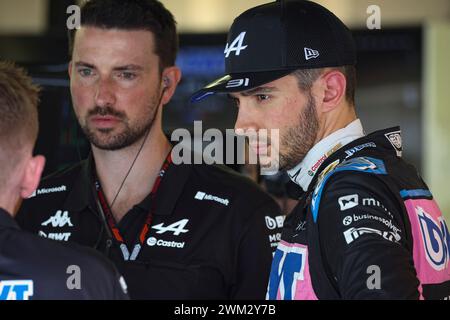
<point x="262" y="97"/>
<point x="85" y="72"/>
<point x="127" y="75"/>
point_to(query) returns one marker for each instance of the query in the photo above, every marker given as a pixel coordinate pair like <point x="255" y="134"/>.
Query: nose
<point x="105" y="94"/>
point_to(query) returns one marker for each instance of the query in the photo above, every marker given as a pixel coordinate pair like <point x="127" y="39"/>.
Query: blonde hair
<point x="19" y="98"/>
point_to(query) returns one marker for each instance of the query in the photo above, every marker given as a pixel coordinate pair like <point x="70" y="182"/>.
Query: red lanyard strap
<point x="107" y="213"/>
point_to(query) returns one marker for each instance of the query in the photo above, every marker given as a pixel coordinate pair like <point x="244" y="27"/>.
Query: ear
<point x="32" y="176"/>
<point x="334" y="86"/>
<point x="170" y="78"/>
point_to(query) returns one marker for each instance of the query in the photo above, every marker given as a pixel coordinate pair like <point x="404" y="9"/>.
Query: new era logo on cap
<point x="311" y="53"/>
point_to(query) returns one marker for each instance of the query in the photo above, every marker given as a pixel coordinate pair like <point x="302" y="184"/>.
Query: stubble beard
<point x="130" y="132"/>
<point x="298" y="140"/>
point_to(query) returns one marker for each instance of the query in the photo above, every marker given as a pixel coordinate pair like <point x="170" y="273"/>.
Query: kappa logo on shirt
<point x="60" y="219"/>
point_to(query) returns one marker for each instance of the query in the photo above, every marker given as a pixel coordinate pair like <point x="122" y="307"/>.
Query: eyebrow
<point x="257" y="90"/>
<point x="83" y="64"/>
<point x="133" y="67"/>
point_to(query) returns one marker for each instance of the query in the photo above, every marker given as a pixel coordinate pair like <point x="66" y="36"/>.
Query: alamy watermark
<point x="374" y="280"/>
<point x="374" y="20"/>
<point x="74" y="20"/>
<point x="74" y="280"/>
<point x="230" y="147"/>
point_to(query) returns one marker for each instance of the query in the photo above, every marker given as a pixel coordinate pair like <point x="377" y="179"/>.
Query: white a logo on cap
<point x="311" y="53"/>
<point x="236" y="45"/>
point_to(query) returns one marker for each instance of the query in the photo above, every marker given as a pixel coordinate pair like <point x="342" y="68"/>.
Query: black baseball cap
<point x="272" y="40"/>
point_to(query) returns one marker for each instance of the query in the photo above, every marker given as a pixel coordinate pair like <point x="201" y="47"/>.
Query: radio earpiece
<point x="166" y="82"/>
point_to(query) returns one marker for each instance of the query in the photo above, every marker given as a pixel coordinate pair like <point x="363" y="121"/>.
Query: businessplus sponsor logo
<point x="355" y="218"/>
<point x="152" y="241"/>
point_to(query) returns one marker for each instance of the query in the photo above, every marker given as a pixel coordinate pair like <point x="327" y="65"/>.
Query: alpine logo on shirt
<point x="176" y="228"/>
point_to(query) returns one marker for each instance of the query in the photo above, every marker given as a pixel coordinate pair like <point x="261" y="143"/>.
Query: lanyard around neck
<point x="112" y="225"/>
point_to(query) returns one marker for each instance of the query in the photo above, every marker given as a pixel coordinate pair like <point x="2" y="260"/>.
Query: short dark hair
<point x="19" y="98"/>
<point x="150" y="15"/>
<point x="306" y="78"/>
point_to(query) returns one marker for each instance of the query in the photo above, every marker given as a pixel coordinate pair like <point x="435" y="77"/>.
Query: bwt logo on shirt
<point x="16" y="289"/>
<point x="272" y="223"/>
<point x="59" y="236"/>
<point x="436" y="239"/>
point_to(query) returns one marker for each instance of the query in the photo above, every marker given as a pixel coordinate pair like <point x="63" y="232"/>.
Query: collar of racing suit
<point x="303" y="173"/>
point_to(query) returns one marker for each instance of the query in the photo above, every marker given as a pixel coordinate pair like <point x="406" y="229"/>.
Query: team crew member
<point x="367" y="225"/>
<point x="174" y="231"/>
<point x="31" y="267"/>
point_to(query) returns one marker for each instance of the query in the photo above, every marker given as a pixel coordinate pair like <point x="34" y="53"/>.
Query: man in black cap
<point x="32" y="267"/>
<point x="366" y="226"/>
